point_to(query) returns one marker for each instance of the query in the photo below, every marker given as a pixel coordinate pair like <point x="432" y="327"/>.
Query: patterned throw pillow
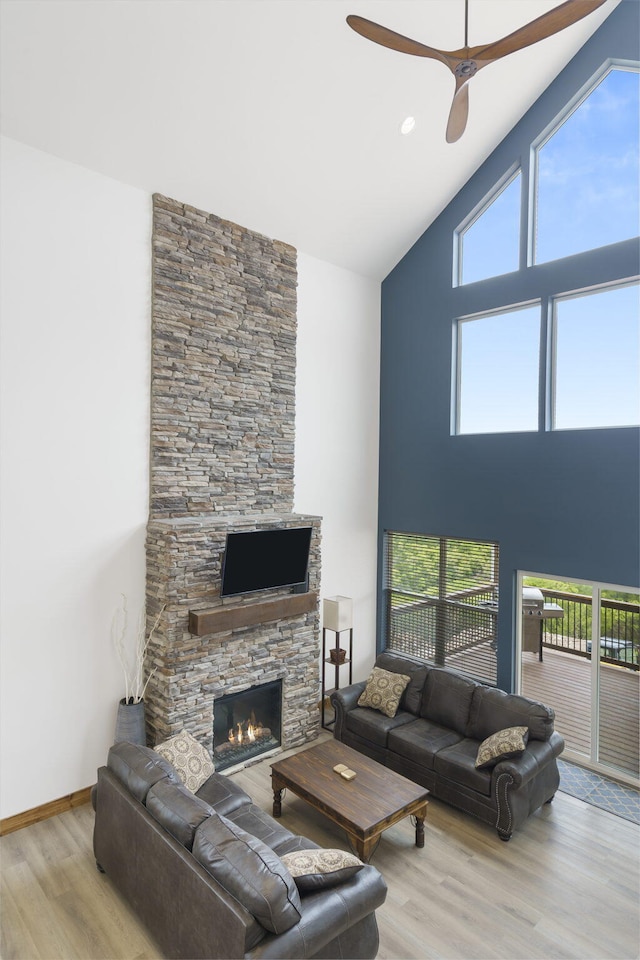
<point x="383" y="691"/>
<point x="317" y="869"/>
<point x="506" y="744"/>
<point x="192" y="762"/>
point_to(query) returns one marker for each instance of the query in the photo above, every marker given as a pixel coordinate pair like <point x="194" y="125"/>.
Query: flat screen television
<point x="264" y="559"/>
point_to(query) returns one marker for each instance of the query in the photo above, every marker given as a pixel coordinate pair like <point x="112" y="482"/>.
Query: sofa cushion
<point x="373" y="726"/>
<point x="421" y="740"/>
<point x="293" y="843"/>
<point x="417" y="671"/>
<point x="493" y="710"/>
<point x="223" y="794"/>
<point x="252" y="819"/>
<point x="457" y="764"/>
<point x="318" y="869"/>
<point x="505" y="745"/>
<point x="139" y="767"/>
<point x="383" y="691"/>
<point x="250" y="871"/>
<point x="191" y="760"/>
<point x="447" y="699"/>
<point x="177" y="810"/>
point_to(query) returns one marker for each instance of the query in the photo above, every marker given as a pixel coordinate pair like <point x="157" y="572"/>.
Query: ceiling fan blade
<point x="459" y="112"/>
<point x="394" y="41"/>
<point x="545" y="26"/>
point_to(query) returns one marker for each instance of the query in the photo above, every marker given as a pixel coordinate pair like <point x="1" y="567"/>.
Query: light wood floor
<point x="566" y="886"/>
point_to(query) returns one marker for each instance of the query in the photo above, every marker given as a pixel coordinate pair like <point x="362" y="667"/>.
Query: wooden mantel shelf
<point x="222" y="619"/>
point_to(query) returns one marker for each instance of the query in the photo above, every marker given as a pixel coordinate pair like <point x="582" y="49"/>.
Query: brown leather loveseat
<point x="203" y="871"/>
<point x="434" y="737"/>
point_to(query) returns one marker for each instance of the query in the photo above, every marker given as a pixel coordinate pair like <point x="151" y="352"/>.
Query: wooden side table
<point x="331" y="658"/>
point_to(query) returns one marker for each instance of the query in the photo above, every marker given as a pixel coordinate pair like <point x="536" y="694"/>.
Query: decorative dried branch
<point x="119" y="626"/>
<point x="134" y="683"/>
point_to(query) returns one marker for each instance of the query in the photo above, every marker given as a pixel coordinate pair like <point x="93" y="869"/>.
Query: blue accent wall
<point x="563" y="503"/>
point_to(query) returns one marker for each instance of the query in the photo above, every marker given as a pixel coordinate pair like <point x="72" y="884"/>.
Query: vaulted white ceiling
<point x="273" y="113"/>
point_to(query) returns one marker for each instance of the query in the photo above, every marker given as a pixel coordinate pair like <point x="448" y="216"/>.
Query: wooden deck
<point x="563" y="681"/>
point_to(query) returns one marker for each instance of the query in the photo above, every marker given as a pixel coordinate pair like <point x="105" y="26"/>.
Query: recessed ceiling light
<point x="407" y="125"/>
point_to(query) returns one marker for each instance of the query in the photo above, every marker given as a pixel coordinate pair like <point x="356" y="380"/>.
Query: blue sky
<point x="499" y="367"/>
<point x="492" y="243"/>
<point x="598" y="360"/>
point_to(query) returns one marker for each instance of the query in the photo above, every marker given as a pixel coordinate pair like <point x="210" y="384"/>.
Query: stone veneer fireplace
<point x="222" y="459"/>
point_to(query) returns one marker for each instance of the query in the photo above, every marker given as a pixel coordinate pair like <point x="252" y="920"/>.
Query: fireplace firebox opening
<point x="246" y="724"/>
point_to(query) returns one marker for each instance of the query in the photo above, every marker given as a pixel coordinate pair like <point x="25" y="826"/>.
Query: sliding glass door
<point x="586" y="666"/>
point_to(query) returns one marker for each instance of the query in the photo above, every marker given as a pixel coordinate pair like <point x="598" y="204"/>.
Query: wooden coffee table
<point x="376" y="799"/>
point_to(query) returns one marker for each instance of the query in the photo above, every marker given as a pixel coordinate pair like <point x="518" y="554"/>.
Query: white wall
<point x="74" y="430"/>
<point x="74" y="463"/>
<point x="337" y="413"/>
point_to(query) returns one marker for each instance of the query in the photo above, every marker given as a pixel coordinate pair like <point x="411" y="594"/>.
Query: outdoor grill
<point x="532" y="602"/>
<point x="534" y="611"/>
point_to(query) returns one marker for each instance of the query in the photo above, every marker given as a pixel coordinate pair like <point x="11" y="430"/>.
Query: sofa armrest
<point x="537" y="755"/>
<point x="343" y="701"/>
<point x="325" y="915"/>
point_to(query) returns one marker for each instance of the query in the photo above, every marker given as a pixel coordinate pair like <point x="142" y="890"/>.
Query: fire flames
<point x="249" y="732"/>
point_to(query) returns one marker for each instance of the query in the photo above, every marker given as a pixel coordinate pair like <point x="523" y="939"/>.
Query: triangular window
<point x="587" y="171"/>
<point x="489" y="241"/>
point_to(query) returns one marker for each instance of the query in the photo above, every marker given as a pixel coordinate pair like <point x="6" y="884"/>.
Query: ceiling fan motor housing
<point x="466" y="69"/>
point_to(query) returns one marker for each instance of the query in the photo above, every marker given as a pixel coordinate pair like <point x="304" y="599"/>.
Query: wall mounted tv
<point x="264" y="559"/>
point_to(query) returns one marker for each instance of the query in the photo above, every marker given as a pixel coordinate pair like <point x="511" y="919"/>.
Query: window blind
<point x="441" y="601"/>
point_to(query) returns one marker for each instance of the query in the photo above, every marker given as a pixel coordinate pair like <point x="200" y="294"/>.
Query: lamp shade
<point x="337" y="613"/>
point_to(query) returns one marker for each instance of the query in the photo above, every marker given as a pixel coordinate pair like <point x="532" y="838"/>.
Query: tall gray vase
<point x="130" y="723"/>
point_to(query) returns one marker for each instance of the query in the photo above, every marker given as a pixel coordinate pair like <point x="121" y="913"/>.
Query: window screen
<point x="441" y="601"/>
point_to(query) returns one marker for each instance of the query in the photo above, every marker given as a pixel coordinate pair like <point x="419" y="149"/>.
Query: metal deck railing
<point x="619" y="628"/>
<point x="439" y="629"/>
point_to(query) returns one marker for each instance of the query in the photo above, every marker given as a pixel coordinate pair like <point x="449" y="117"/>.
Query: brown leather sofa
<point x="434" y="738"/>
<point x="170" y="853"/>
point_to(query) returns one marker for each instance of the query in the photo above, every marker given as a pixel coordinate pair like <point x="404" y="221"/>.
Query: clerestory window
<point x="488" y="244"/>
<point x="498" y="360"/>
<point x="564" y="358"/>
<point x="595" y="360"/>
<point x="587" y="183"/>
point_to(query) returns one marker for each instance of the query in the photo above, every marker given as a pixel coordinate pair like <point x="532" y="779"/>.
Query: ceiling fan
<point x="466" y="62"/>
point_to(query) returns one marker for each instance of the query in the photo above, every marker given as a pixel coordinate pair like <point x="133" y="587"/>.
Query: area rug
<point x="599" y="791"/>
